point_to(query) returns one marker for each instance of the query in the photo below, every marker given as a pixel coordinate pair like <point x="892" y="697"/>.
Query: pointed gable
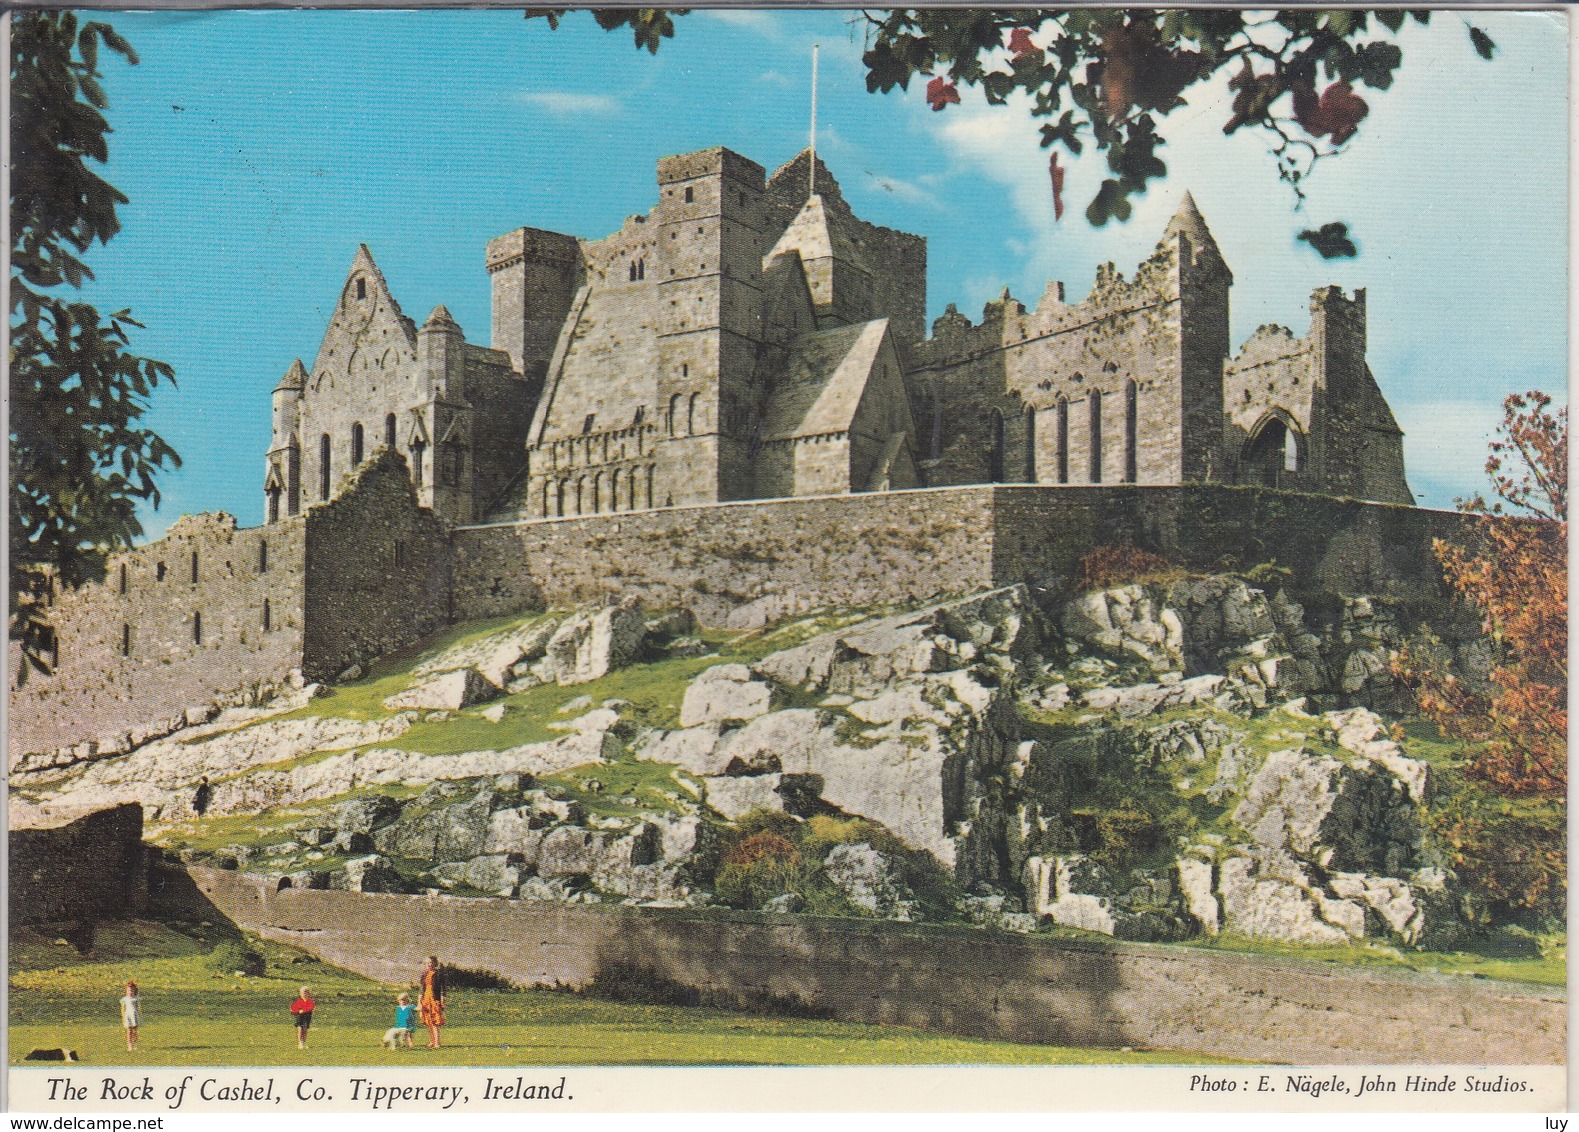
<point x="368" y="334"/>
<point x="825" y="382"/>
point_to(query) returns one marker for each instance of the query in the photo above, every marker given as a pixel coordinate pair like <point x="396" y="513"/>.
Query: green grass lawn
<point x="194" y="1015"/>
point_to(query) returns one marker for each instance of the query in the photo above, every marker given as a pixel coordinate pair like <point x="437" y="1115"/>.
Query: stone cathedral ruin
<point x="744" y="342"/>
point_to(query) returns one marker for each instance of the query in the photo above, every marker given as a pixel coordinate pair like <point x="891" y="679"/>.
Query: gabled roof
<point x="1188" y="222"/>
<point x="815" y="235"/>
<point x="824" y="381"/>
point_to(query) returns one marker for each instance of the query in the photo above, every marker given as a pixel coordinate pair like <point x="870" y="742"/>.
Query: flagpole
<point x="812" y="180"/>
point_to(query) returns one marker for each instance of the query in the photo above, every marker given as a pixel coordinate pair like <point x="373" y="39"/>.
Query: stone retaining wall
<point x="95" y="868"/>
<point x="952" y="979"/>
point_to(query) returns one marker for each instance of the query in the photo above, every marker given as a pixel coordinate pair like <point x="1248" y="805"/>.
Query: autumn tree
<point x="79" y="460"/>
<point x="1511" y="566"/>
<point x="1110" y="78"/>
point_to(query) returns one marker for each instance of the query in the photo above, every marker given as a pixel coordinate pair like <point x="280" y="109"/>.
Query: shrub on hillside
<point x="758" y="868"/>
<point x="1120" y="564"/>
<point x="232" y="957"/>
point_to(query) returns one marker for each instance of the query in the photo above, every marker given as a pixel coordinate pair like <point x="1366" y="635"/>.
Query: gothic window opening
<point x="159" y="572"/>
<point x="545" y="499"/>
<point x="1095" y="453"/>
<point x="580" y="486"/>
<point x="641" y="411"/>
<point x="126" y="640"/>
<point x="1062" y="440"/>
<point x="559" y="499"/>
<point x="690" y="416"/>
<point x="263" y="556"/>
<point x="356" y="444"/>
<point x="690" y="196"/>
<point x="197" y="628"/>
<point x="630" y="273"/>
<point x="361" y="288"/>
<point x="268" y="616"/>
<point x="123" y="577"/>
<point x="1274" y="453"/>
<point x="649" y="487"/>
<point x="1030" y="445"/>
<point x="194" y="567"/>
<point x="323" y="466"/>
<point x="274" y="505"/>
<point x="995" y="451"/>
<point x="417" y="451"/>
<point x="674" y="411"/>
<point x="1131" y="429"/>
<point x="586" y="425"/>
<point x="389" y="431"/>
<point x="293" y="478"/>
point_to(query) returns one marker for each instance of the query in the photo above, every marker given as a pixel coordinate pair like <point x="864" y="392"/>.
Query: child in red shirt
<point x="302" y="1016"/>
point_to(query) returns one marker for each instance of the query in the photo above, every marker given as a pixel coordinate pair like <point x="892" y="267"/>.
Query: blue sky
<point x="258" y="148"/>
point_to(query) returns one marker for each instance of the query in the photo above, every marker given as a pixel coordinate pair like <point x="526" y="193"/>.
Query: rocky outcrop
<point x="591" y="644"/>
<point x="449" y="692"/>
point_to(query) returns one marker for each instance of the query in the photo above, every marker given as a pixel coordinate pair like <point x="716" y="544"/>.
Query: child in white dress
<point x="131" y="1014"/>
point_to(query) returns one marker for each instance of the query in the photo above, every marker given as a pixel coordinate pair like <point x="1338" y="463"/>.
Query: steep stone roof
<point x="816" y="235"/>
<point x="1188" y="222"/>
<point x="295" y="377"/>
<point x="824" y="381"/>
<point x="441" y="319"/>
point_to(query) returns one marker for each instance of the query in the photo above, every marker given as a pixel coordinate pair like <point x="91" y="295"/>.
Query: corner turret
<point x="441" y="356"/>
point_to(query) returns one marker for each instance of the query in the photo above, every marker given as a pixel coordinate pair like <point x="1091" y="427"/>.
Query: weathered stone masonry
<point x="373" y="571"/>
<point x="960" y="980"/>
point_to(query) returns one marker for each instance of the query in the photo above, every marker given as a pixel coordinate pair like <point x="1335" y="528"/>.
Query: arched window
<point x="263" y="556"/>
<point x="1095" y="470"/>
<point x="123" y="577"/>
<point x="1062" y="439"/>
<point x="323" y="466"/>
<point x="293" y="478"/>
<point x="1030" y="445"/>
<point x="356" y="444"/>
<point x="418" y="450"/>
<point x="995" y="438"/>
<point x="194" y="567"/>
<point x="159" y="572"/>
<point x="1131" y="428"/>
<point x="197" y="628"/>
<point x="559" y="499"/>
<point x="268" y="616"/>
<point x="690" y="416"/>
<point x="580" y="488"/>
<point x="545" y="499"/>
<point x="631" y="273"/>
<point x="597" y="493"/>
<point x="361" y="288"/>
<point x="674" y="412"/>
<point x="126" y="640"/>
<point x="630" y="490"/>
<point x="389" y="431"/>
<point x="649" y="487"/>
<point x="274" y="505"/>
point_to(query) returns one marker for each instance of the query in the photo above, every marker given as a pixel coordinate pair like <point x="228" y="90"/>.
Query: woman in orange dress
<point x="430" y="1003"/>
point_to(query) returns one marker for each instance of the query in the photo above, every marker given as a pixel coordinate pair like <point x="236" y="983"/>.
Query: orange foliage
<point x="1120" y="564"/>
<point x="1516" y="573"/>
<point x="760" y="846"/>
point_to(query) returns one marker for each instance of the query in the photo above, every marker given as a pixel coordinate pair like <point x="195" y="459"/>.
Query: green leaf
<point x="1484" y="47"/>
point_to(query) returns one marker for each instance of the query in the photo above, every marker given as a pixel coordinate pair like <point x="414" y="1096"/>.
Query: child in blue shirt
<point x="405" y="1024"/>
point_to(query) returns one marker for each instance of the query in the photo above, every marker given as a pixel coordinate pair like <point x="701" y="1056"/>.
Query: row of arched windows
<point x="682" y="410"/>
<point x="598" y="494"/>
<point x="996" y="469"/>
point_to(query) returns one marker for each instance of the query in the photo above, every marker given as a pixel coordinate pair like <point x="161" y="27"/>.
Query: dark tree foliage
<point x="1109" y="77"/>
<point x="79" y="461"/>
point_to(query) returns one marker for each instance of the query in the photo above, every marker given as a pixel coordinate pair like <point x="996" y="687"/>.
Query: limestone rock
<point x="1257" y="903"/>
<point x="449" y="692"/>
<point x="871" y="880"/>
<point x="696" y="750"/>
<point x="733" y="797"/>
<point x="591" y="644"/>
<point x="361" y="815"/>
<point x="1195" y="882"/>
<point x="1361" y="731"/>
<point x="446" y="833"/>
<point x="725" y="693"/>
<point x="368" y="874"/>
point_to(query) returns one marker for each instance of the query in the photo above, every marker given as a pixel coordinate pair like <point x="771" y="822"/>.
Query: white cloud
<point x="746" y="19"/>
<point x="565" y="102"/>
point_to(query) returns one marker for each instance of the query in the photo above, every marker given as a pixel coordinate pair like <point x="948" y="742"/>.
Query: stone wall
<point x="95" y="868"/>
<point x="953" y="979"/>
<point x="378" y="570"/>
<point x="739" y="564"/>
<point x="209" y="612"/>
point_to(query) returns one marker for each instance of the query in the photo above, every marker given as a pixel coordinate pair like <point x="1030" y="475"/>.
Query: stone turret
<point x="283" y="465"/>
<point x="1203" y="280"/>
<point x="441" y="356"/>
